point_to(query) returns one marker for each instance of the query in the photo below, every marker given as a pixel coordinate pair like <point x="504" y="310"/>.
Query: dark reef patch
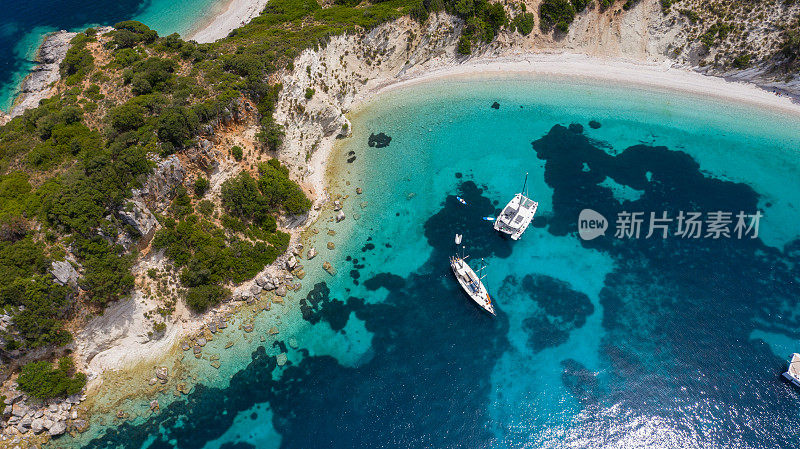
<point x="558" y="311"/>
<point x="577" y="128"/>
<point x="318" y="306"/>
<point x="495" y="105"/>
<point x="379" y="140"/>
<point x="684" y="306"/>
<point x="467" y="220"/>
<point x="580" y="382"/>
<point x="351" y="157"/>
<point x="594" y="124"/>
<point x="387" y="280"/>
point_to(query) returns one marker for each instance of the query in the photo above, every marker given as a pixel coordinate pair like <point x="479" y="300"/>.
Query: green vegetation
<point x="42" y="380"/>
<point x="523" y="22"/>
<point x="309" y="93"/>
<point x="78" y="61"/>
<point x="236" y="152"/>
<point x="690" y="14"/>
<point x="742" y="61"/>
<point x="201" y="186"/>
<point x="719" y="30"/>
<point x="556" y="14"/>
<point x="209" y="256"/>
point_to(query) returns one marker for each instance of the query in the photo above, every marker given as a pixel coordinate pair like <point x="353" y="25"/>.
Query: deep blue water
<point x="24" y="24"/>
<point x="605" y="343"/>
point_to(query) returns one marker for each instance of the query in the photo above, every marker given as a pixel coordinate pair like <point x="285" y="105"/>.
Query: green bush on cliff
<point x="43" y="381"/>
<point x="199" y="299"/>
<point x="523" y="23"/>
<point x="78" y="61"/>
<point x="556" y="14"/>
<point x="129" y="33"/>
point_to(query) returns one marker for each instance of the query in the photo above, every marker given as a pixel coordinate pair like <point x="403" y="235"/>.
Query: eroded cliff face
<point x="350" y="67"/>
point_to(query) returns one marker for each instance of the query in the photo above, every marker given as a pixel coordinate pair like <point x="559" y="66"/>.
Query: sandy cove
<point x="324" y="120"/>
<point x="348" y="72"/>
<point x="235" y="14"/>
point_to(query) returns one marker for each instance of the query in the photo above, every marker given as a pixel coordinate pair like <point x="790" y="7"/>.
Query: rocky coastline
<point x="39" y="84"/>
<point x="344" y="73"/>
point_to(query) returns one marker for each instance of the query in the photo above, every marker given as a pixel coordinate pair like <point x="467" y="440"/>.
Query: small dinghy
<point x="470" y="281"/>
<point x="517" y="214"/>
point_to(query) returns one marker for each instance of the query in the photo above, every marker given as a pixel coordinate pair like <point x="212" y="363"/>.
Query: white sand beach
<point x="235" y="14"/>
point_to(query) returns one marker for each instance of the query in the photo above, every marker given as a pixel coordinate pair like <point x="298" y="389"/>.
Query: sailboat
<point x="470" y="281"/>
<point x="517" y="214"/>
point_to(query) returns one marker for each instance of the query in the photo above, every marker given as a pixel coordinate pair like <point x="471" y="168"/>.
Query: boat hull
<point x="471" y="284"/>
<point x="516" y="216"/>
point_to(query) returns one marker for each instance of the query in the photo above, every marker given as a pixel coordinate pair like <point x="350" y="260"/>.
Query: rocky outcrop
<point x="38" y="84"/>
<point x="64" y="273"/>
<point x="53" y="416"/>
<point x="160" y="186"/>
<point x="136" y="214"/>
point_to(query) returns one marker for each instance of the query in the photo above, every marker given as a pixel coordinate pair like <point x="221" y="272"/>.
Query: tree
<point x="201" y="185"/>
<point x="176" y="125"/>
<point x="41" y="380"/>
<point x="556" y="13"/>
<point x="199" y="299"/>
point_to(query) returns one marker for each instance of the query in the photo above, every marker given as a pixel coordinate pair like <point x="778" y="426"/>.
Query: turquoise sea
<point x="25" y="23"/>
<point x="613" y="342"/>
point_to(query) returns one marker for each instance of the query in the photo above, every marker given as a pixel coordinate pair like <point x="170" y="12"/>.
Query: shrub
<point x="126" y="117"/>
<point x="742" y="61"/>
<point x="199" y="299"/>
<point x="205" y="207"/>
<point x="556" y="14"/>
<point x="201" y="185"/>
<point x="464" y="46"/>
<point x="128" y="33"/>
<point x="41" y="380"/>
<point x="236" y="152"/>
<point x="309" y="93"/>
<point x="580" y="5"/>
<point x="176" y="125"/>
<point x="78" y="61"/>
<point x="523" y="23"/>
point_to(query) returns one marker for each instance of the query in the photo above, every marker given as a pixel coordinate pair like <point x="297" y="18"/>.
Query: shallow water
<point x="604" y="343"/>
<point x="25" y="23"/>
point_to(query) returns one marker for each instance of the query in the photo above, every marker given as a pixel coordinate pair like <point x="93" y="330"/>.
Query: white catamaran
<point x="517" y="214"/>
<point x="470" y="281"/>
<point x="792" y="374"/>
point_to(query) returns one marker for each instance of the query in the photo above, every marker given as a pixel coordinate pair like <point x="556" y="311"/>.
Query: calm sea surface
<point x="615" y="342"/>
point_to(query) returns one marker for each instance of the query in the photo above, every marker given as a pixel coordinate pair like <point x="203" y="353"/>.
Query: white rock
<point x="57" y="428"/>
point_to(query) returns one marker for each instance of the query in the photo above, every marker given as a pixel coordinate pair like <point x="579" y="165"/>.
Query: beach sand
<point x="235" y="14"/>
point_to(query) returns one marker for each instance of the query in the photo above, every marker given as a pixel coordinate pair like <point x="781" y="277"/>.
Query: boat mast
<point x="525" y="186"/>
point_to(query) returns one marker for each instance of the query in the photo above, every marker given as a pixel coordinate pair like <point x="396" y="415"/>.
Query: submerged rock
<point x="328" y="267"/>
<point x="331" y="245"/>
<point x="340" y="217"/>
<point x="495" y="105"/>
<point x="312" y="253"/>
<point x="281" y="359"/>
<point x="379" y="140"/>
